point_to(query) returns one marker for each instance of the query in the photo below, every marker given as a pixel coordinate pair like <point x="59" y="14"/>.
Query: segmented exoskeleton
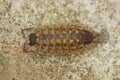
<point x="61" y="38"/>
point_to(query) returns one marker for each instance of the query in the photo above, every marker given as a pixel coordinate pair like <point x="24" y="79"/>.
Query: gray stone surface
<point x="100" y="63"/>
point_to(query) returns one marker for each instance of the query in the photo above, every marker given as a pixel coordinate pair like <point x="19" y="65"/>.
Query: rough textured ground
<point x="100" y="63"/>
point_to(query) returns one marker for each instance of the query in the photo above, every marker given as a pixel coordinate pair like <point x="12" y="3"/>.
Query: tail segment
<point x="103" y="36"/>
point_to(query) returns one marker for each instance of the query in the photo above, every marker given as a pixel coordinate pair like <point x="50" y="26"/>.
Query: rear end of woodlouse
<point x="102" y="37"/>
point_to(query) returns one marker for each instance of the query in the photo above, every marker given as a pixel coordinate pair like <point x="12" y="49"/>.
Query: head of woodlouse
<point x="86" y="37"/>
<point x="32" y="39"/>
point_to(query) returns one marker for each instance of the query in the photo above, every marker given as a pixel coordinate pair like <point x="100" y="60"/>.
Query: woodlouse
<point x="61" y="38"/>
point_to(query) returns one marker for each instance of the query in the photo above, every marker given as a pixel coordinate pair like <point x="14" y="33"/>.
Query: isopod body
<point x="61" y="38"/>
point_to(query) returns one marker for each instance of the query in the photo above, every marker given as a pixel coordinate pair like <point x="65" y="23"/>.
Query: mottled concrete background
<point x="100" y="63"/>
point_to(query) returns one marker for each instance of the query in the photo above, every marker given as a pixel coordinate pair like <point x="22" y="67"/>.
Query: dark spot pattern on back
<point x="32" y="39"/>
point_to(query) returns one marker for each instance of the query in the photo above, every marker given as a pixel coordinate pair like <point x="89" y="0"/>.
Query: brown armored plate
<point x="61" y="38"/>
